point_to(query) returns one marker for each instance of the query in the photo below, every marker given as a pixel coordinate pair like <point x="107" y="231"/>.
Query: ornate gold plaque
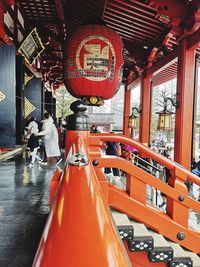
<point x="28" y="107"/>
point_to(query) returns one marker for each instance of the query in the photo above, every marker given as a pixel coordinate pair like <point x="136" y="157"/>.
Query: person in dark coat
<point x="111" y="149"/>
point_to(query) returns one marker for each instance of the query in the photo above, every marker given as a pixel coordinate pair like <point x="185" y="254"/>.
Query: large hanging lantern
<point x="93" y="63"/>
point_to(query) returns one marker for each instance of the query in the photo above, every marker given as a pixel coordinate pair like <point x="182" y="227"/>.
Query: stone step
<point x="142" y="241"/>
<point x="159" y="249"/>
<point x="180" y="252"/>
<point x="123" y="225"/>
<point x="162" y="251"/>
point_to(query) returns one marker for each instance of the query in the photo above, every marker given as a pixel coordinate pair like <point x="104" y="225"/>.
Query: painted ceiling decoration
<point x="150" y="30"/>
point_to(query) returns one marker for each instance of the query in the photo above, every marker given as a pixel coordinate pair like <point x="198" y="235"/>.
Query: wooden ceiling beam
<point x="127" y="24"/>
<point x="161" y="64"/>
<point x="132" y="6"/>
<point x="118" y="17"/>
<point x="132" y="17"/>
<point x="134" y="36"/>
<point x="129" y="28"/>
<point x="123" y="10"/>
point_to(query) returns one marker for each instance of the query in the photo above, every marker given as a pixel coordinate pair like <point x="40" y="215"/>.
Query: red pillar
<point x="184" y="114"/>
<point x="146" y="108"/>
<point x="127" y="103"/>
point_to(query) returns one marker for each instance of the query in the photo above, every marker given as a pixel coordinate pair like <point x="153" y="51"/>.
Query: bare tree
<point x="167" y="90"/>
<point x="160" y="93"/>
<point x="63" y="101"/>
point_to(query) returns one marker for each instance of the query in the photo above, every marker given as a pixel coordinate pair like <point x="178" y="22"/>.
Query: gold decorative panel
<point x="2" y="96"/>
<point x="27" y="78"/>
<point x="28" y="107"/>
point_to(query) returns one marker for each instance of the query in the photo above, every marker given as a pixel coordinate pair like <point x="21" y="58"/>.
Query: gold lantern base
<point x="93" y="100"/>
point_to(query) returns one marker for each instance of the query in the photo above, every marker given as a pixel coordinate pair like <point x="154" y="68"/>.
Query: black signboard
<point x="31" y="47"/>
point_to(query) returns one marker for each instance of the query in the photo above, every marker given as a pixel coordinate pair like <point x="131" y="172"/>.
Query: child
<point x="33" y="143"/>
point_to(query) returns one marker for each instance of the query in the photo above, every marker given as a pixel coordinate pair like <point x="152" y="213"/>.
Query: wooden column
<point x="127" y="103"/>
<point x="184" y="114"/>
<point x="50" y="103"/>
<point x="146" y="108"/>
<point x="7" y="96"/>
<point x="19" y="100"/>
<point x="33" y="91"/>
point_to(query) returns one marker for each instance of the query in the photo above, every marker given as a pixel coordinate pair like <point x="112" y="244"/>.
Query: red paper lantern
<point x="93" y="63"/>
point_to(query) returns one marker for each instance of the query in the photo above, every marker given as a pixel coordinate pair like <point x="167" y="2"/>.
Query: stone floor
<point x="24" y="206"/>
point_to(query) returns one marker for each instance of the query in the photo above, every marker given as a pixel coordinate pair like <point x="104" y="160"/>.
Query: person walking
<point x="33" y="143"/>
<point x="50" y="137"/>
<point x="94" y="129"/>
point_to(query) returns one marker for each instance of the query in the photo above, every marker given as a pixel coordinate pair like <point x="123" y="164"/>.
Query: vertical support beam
<point x="7" y="96"/>
<point x="50" y="103"/>
<point x="127" y="103"/>
<point x="19" y="100"/>
<point x="184" y="114"/>
<point x="54" y="107"/>
<point x="33" y="92"/>
<point x="136" y="189"/>
<point x="146" y="108"/>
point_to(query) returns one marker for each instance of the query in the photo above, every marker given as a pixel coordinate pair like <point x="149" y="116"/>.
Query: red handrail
<point x="143" y="149"/>
<point x="79" y="230"/>
<point x="134" y="202"/>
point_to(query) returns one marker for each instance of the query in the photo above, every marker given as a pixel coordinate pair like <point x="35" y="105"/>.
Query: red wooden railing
<point x="79" y="230"/>
<point x="133" y="201"/>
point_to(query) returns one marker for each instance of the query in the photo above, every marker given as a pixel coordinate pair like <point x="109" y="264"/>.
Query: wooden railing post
<point x="178" y="212"/>
<point x="136" y="188"/>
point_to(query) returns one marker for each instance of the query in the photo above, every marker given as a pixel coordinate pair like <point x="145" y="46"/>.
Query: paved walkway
<point x="24" y="206"/>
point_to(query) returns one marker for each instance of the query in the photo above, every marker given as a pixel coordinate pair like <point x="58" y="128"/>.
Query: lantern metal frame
<point x="166" y="113"/>
<point x="132" y="117"/>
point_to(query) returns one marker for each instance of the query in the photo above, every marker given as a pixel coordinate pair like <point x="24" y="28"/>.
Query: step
<point x="182" y="252"/>
<point x="162" y="250"/>
<point x="159" y="249"/>
<point x="123" y="225"/>
<point x="142" y="241"/>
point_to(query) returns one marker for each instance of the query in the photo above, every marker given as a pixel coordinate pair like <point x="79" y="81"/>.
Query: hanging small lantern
<point x="165" y="116"/>
<point x="132" y="121"/>
<point x="133" y="117"/>
<point x="93" y="63"/>
<point x="164" y="120"/>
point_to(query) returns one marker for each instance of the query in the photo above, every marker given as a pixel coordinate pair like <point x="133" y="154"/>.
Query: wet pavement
<point x="24" y="207"/>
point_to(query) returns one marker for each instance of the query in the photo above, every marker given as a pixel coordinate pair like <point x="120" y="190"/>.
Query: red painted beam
<point x="145" y="114"/>
<point x="184" y="114"/>
<point x="171" y="56"/>
<point x="194" y="40"/>
<point x="3" y="35"/>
